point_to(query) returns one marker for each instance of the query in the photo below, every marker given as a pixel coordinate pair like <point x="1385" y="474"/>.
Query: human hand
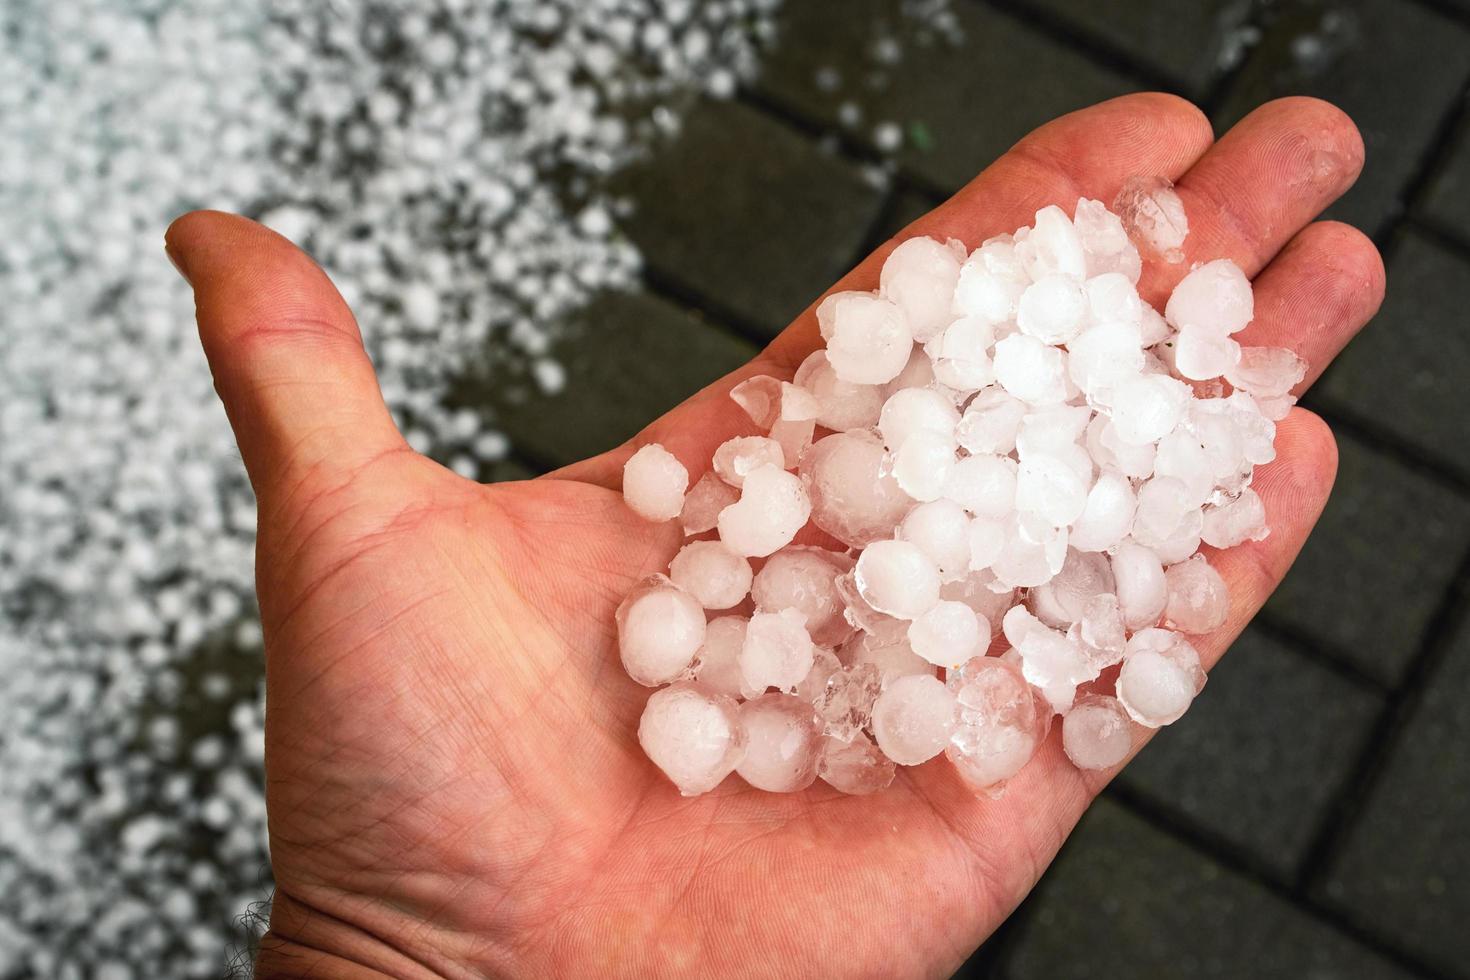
<point x="454" y="784"/>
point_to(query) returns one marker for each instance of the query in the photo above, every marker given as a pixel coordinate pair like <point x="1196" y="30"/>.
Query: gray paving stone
<point x="1261" y="753"/>
<point x="745" y="212"/>
<point x="629" y="358"/>
<point x="1183" y="41"/>
<point x="1405" y="872"/>
<point x="1127" y="900"/>
<point x="1407" y="372"/>
<point x="1447" y="195"/>
<point x="1377" y="564"/>
<point x="1395" y="66"/>
<point x="960" y="106"/>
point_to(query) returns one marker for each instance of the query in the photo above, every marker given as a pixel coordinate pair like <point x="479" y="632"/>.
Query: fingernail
<point x="173" y="257"/>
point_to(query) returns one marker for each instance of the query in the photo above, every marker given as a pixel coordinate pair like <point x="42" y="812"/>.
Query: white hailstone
<point x="1100" y="630"/>
<point x="1108" y="514"/>
<point x="1053" y="430"/>
<point x="768" y="401"/>
<point x="1162" y="503"/>
<point x="1052" y="247"/>
<point x="654" y="482"/>
<point x="909" y="411"/>
<point x="1235" y="521"/>
<point x="1050" y="489"/>
<point x="1200" y="355"/>
<point x="1198" y="599"/>
<point x="857" y="767"/>
<point x="1061" y="601"/>
<point x="854" y="497"/>
<point x="1258" y="434"/>
<point x="1134" y="460"/>
<point x="717" y="664"/>
<point x="777" y="652"/>
<point x="1053" y="309"/>
<point x="868" y="338"/>
<point x="1266" y="372"/>
<point x="693" y="734"/>
<point x="1153" y="329"/>
<point x="736" y="458"/>
<point x="1034" y="551"/>
<point x="1112" y="298"/>
<point x="923" y="463"/>
<point x="1153" y="215"/>
<point x="841" y="405"/>
<point x="991" y="421"/>
<point x="997" y="723"/>
<point x="704" y="501"/>
<point x="961" y="355"/>
<point x="1181" y="544"/>
<point x="897" y="579"/>
<point x="660" y="629"/>
<point x="990" y="284"/>
<point x="913" y="719"/>
<point x="709" y="571"/>
<point x="1096" y="734"/>
<point x="1105" y="241"/>
<point x="984" y="485"/>
<point x="804" y="579"/>
<point x="919" y="276"/>
<point x="1031" y="370"/>
<point x="1214" y="298"/>
<point x="783" y="739"/>
<point x="1139" y="579"/>
<point x="1181" y="455"/>
<point x="940" y="529"/>
<point x="1161" y="677"/>
<point x="1051" y="661"/>
<point x="1148" y="407"/>
<point x="949" y="634"/>
<point x="1102" y="356"/>
<point x="845" y="702"/>
<point x="987" y="540"/>
<point x="773" y="506"/>
<point x="889" y="652"/>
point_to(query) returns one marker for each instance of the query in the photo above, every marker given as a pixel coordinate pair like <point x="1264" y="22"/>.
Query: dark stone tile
<point x="629" y="357"/>
<point x="1190" y="43"/>
<point x="1393" y="65"/>
<point x="1377" y="564"/>
<point x="1261" y="753"/>
<point x="1127" y="900"/>
<point x="1407" y="372"/>
<point x="959" y="106"/>
<point x="1446" y="197"/>
<point x="1405" y="870"/>
<point x="908" y="205"/>
<point x="744" y="212"/>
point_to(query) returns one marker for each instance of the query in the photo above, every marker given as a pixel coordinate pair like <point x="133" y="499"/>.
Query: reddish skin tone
<point x="453" y="781"/>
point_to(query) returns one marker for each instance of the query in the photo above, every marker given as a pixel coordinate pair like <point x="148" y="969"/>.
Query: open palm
<point x="453" y="780"/>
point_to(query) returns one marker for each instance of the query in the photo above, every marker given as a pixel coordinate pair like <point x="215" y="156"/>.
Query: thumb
<point x="286" y="355"/>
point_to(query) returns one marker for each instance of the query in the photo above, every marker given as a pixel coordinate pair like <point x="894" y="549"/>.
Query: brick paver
<point x="1447" y="195"/>
<point x="1405" y="873"/>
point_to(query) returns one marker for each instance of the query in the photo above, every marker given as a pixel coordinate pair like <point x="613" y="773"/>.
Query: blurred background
<point x="554" y="220"/>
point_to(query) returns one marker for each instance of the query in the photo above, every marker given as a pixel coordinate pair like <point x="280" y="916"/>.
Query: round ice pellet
<point x="1198" y="600"/>
<point x="1096" y="733"/>
<point x="1160" y="677"/>
<point x="717" y="664"/>
<point x="897" y="579"/>
<point x="777" y="651"/>
<point x="711" y="573"/>
<point x="949" y="634"/>
<point x="803" y="579"/>
<point x="868" y="338"/>
<point x="693" y="734"/>
<point x="913" y="719"/>
<point x="773" y="506"/>
<point x="857" y="767"/>
<point x="660" y="628"/>
<point x="654" y="482"/>
<point x="783" y="738"/>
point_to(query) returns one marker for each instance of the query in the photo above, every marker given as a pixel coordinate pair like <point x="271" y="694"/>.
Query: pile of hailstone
<point x="1005" y="443"/>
